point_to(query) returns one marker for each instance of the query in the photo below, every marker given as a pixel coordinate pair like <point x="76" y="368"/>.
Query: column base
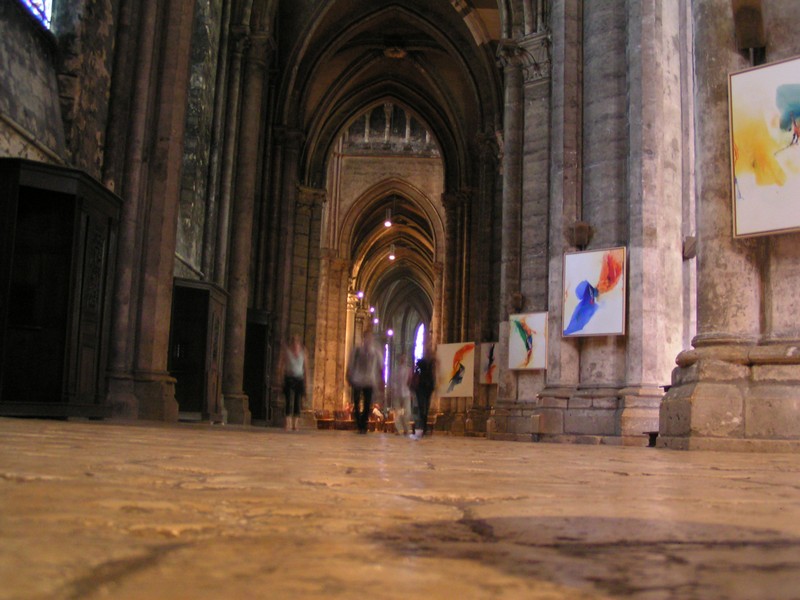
<point x="734" y="397"/>
<point x="155" y="391"/>
<point x="237" y="407"/>
<point x="121" y="398"/>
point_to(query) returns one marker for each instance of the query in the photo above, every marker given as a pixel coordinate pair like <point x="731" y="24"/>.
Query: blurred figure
<point x="292" y="367"/>
<point x="425" y="383"/>
<point x="401" y="394"/>
<point x="365" y="378"/>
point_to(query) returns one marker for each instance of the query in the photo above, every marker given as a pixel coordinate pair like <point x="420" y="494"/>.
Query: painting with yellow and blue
<point x="764" y="104"/>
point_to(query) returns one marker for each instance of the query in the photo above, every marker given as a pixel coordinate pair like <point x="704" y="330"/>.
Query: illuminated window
<point x="41" y="9"/>
<point x="386" y="363"/>
<point x="419" y="342"/>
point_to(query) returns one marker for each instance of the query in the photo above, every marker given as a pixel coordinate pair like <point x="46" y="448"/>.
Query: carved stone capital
<point x="260" y="49"/>
<point x="536" y="61"/>
<point x="310" y="197"/>
<point x="509" y="54"/>
<point x="531" y="54"/>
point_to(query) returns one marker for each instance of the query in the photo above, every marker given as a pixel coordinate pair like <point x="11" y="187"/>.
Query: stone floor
<point x="105" y="510"/>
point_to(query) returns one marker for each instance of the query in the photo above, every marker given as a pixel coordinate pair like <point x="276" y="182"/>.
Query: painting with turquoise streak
<point x="594" y="293"/>
<point x="764" y="109"/>
<point x="455" y="369"/>
<point x="527" y="341"/>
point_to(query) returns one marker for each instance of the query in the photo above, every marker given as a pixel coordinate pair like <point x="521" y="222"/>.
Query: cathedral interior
<point x="547" y="192"/>
<point x="188" y="183"/>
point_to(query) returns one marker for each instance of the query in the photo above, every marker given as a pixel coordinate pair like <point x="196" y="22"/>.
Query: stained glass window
<point x="41" y="9"/>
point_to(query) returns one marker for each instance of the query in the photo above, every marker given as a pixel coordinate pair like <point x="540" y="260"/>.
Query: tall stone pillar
<point x="154" y="386"/>
<point x="737" y="389"/>
<point x="561" y="378"/>
<point x="450" y="200"/>
<point x="292" y="141"/>
<point x="240" y="40"/>
<point x="236" y="401"/>
<point x="655" y="263"/>
<point x="127" y="169"/>
<point x="509" y="57"/>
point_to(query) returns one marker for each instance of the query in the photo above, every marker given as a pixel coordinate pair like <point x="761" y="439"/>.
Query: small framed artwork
<point x="456" y="369"/>
<point x="594" y="293"/>
<point x="764" y="112"/>
<point x="488" y="363"/>
<point x="527" y="341"/>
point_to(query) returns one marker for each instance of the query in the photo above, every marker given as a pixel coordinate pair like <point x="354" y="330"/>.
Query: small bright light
<point x="387" y="223"/>
<point x="375" y="320"/>
<point x="391" y="256"/>
<point x="388" y="220"/>
<point x="390" y="332"/>
<point x="391" y="252"/>
<point x="372" y="309"/>
<point x="359" y="294"/>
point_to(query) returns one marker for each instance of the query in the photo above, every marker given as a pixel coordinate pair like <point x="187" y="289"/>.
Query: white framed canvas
<point x="488" y="363"/>
<point x="527" y="341"/>
<point x="455" y="369"/>
<point x="594" y="293"/>
<point x="764" y="112"/>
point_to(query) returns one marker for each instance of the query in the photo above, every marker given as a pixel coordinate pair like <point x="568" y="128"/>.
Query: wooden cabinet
<point x="58" y="242"/>
<point x="196" y="340"/>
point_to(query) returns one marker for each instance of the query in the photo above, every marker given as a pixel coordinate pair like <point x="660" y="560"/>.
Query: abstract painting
<point x="456" y="369"/>
<point x="765" y="148"/>
<point x="594" y="293"/>
<point x="488" y="363"/>
<point x="527" y="341"/>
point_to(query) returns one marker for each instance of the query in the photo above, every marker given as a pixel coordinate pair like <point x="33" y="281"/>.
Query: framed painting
<point x="527" y="341"/>
<point x="594" y="293"/>
<point x="488" y="363"/>
<point x="456" y="369"/>
<point x="764" y="112"/>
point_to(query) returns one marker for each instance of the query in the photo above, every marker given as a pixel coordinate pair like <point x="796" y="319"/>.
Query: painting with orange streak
<point x="594" y="293"/>
<point x="764" y="106"/>
<point x="455" y="370"/>
<point x="527" y="341"/>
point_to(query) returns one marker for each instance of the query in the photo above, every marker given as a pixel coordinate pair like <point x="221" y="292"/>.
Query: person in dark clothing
<point x="425" y="380"/>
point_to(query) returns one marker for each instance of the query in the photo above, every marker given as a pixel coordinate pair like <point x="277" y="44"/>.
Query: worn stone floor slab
<point x="105" y="510"/>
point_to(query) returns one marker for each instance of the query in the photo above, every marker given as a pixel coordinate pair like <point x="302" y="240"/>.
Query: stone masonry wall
<point x="30" y="119"/>
<point x="193" y="210"/>
<point x="85" y="31"/>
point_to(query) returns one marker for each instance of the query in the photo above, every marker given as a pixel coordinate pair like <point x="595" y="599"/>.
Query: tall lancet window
<point x="41" y="9"/>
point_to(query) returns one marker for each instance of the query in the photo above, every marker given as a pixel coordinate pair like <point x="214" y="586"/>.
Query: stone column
<point x="449" y="320"/>
<point x="130" y="174"/>
<point x="561" y="378"/>
<point x="154" y="386"/>
<point x="509" y="56"/>
<point x="288" y="200"/>
<point x="655" y="263"/>
<point x="236" y="401"/>
<point x="436" y="333"/>
<point x="726" y="393"/>
<point x="231" y="127"/>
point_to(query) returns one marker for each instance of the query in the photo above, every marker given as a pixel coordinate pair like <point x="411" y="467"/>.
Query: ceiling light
<point x="387" y="222"/>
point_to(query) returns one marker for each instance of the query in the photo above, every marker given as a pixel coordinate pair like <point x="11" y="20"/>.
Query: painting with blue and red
<point x="594" y="293"/>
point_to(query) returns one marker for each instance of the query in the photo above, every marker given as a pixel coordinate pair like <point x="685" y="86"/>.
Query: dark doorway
<point x="257" y="361"/>
<point x="195" y="349"/>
